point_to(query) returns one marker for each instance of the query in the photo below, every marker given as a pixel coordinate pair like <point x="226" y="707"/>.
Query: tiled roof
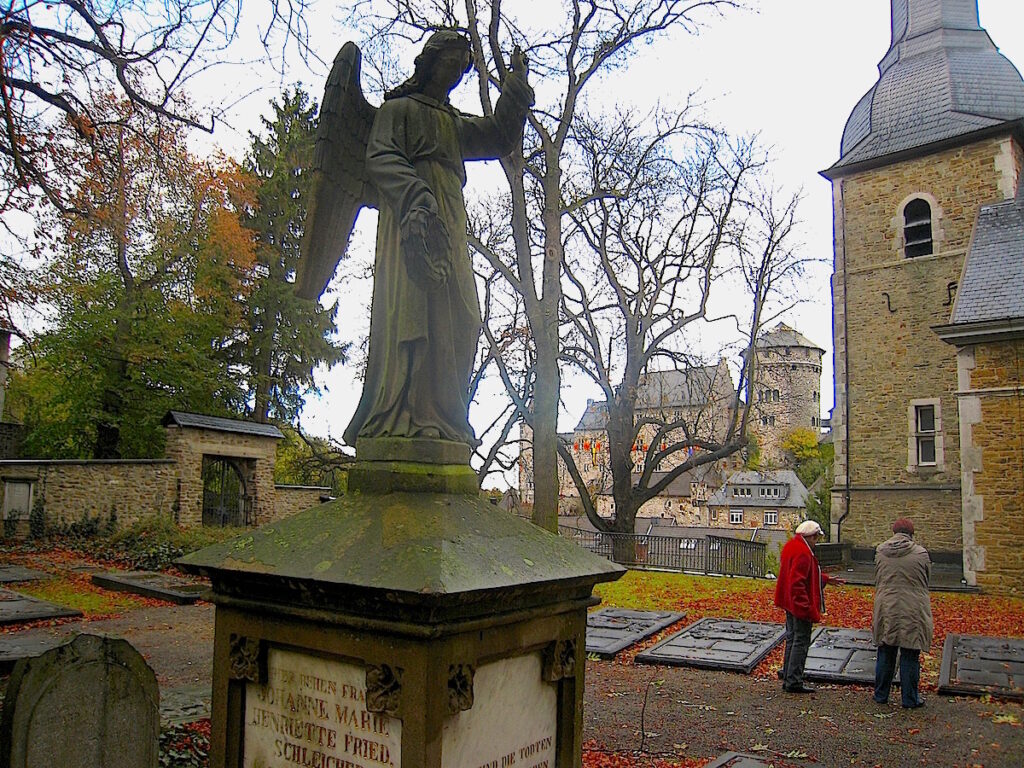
<point x="797" y="497"/>
<point x="992" y="285"/>
<point x="942" y="78"/>
<point x="218" y="424"/>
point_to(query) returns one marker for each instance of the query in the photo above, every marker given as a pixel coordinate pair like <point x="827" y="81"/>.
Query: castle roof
<point x="942" y="79"/>
<point x="688" y="388"/>
<point x="784" y="336"/>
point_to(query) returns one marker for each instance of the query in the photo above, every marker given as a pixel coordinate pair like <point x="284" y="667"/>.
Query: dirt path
<point x="698" y="713"/>
<point x="177" y="641"/>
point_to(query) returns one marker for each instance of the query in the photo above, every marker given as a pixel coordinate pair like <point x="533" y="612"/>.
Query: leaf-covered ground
<point x="657" y="717"/>
<point x="70" y="586"/>
<point x="847" y="606"/>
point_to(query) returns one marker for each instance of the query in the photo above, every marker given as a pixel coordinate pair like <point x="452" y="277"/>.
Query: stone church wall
<point x="992" y="423"/>
<point x="894" y="357"/>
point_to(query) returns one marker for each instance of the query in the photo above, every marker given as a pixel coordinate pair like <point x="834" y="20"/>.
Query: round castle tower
<point x="787" y="389"/>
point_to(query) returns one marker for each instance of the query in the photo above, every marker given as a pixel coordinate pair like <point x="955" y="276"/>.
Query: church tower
<point x="939" y="135"/>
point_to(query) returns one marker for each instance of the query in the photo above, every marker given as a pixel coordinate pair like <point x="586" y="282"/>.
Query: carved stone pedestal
<point x="423" y="630"/>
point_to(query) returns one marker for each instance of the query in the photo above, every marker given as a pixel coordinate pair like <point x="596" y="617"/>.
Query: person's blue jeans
<point x="910" y="674"/>
<point x="798" y="641"/>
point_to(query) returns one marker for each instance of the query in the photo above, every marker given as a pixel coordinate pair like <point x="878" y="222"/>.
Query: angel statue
<point x="406" y="158"/>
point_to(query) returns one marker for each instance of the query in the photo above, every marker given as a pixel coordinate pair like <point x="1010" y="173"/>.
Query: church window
<point x="775" y="395"/>
<point x="925" y="417"/>
<point x="917" y="228"/>
<point x="925" y="442"/>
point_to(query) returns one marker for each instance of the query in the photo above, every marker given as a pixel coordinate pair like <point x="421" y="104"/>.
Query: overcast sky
<point x="791" y="71"/>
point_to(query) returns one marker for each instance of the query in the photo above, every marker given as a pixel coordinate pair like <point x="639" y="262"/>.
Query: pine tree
<point x="287" y="337"/>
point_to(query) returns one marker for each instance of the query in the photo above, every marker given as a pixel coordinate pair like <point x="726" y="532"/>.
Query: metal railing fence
<point x="701" y="554"/>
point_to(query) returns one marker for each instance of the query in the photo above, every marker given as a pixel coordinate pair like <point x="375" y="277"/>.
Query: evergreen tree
<point x="287" y="337"/>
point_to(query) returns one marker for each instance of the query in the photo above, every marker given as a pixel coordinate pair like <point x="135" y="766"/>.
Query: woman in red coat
<point x="800" y="592"/>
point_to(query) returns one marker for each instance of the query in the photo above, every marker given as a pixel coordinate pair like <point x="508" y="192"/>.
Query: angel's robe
<point x="423" y="336"/>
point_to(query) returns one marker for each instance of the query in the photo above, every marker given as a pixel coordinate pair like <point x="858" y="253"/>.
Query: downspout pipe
<point x="846" y="364"/>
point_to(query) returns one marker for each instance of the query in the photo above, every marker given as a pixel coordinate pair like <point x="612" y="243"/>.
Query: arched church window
<point x="917" y="228"/>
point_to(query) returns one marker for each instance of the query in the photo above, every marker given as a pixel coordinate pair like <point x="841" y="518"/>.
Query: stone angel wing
<point x="340" y="184"/>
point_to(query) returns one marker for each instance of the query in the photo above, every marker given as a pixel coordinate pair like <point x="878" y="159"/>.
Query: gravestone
<point x="840" y="655"/>
<point x="16" y="608"/>
<point x="979" y="666"/>
<point x="741" y="760"/>
<point x="13" y="573"/>
<point x="90" y="703"/>
<point x="716" y="644"/>
<point x="609" y="630"/>
<point x="151" y="584"/>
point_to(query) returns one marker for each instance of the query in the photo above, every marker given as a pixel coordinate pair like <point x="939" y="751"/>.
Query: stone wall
<point x="256" y="459"/>
<point x="289" y="499"/>
<point x="889" y="303"/>
<point x="72" y="490"/>
<point x="992" y="426"/>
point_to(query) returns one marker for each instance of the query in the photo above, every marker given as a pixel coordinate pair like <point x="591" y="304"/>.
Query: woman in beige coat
<point x="902" y="620"/>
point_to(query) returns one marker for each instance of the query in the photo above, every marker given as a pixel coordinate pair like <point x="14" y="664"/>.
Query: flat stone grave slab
<point x="15" y="607"/>
<point x="609" y="630"/>
<point x="13" y="648"/>
<point x="978" y="666"/>
<point x="151" y="584"/>
<point x="12" y="573"/>
<point x="839" y="655"/>
<point x="184" y="705"/>
<point x="717" y="644"/>
<point x="740" y="760"/>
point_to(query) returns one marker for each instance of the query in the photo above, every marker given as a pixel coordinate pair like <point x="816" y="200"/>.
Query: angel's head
<point x="440" y="66"/>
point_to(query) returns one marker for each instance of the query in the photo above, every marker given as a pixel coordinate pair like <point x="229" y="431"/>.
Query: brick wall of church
<point x="891" y="302"/>
<point x="992" y="417"/>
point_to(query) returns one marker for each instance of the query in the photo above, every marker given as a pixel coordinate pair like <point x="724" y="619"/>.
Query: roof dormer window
<point x="917" y="228"/>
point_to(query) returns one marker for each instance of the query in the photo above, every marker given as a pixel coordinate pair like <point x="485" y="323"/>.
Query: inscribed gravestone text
<point x="312" y="713"/>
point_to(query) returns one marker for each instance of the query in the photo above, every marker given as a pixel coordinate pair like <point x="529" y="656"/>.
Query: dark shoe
<point x="881" y="703"/>
<point x="920" y="703"/>
<point x="802" y="688"/>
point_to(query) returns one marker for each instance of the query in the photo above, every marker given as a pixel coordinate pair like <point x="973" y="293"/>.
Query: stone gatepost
<point x="409" y="624"/>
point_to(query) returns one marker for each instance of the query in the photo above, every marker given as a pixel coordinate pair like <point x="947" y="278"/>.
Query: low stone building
<point x="217" y="471"/>
<point x="775" y="500"/>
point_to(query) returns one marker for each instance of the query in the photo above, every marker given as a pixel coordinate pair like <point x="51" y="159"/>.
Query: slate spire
<point x="941" y="78"/>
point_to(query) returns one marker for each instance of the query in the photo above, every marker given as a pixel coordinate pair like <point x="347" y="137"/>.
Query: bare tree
<point x="58" y="56"/>
<point x="670" y="211"/>
<point x="576" y="42"/>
